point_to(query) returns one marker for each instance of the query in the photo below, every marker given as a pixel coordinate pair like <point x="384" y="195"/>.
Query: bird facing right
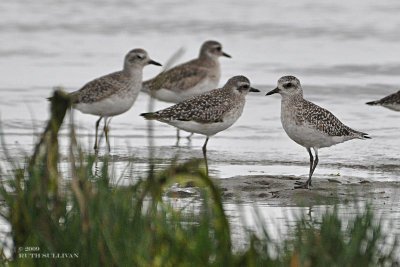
<point x="189" y="79"/>
<point x="310" y="125"/>
<point x="208" y="113"/>
<point x="114" y="93"/>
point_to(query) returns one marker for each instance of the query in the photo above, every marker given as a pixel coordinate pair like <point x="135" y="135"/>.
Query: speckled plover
<point x="391" y="102"/>
<point x="115" y="93"/>
<point x="208" y="113"/>
<point x="308" y="124"/>
<point x="189" y="79"/>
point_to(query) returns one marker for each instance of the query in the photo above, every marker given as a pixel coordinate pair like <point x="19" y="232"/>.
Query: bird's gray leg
<point x="316" y="160"/>
<point x="106" y="130"/>
<point x="96" y="145"/>
<point x="313" y="165"/>
<point x="189" y="137"/>
<point x="177" y="135"/>
<point x="205" y="153"/>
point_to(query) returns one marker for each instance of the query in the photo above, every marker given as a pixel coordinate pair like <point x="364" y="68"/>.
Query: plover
<point x="115" y="93"/>
<point x="391" y="102"/>
<point x="189" y="79"/>
<point x="310" y="125"/>
<point x="208" y="113"/>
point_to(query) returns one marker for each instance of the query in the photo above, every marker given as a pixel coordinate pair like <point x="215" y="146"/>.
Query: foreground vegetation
<point x="86" y="221"/>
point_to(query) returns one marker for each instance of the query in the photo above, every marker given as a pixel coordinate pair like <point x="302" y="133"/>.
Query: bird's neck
<point x="234" y="95"/>
<point x="135" y="74"/>
<point x="287" y="99"/>
<point x="208" y="61"/>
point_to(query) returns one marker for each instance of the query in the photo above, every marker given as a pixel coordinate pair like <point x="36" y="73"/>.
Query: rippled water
<point x="345" y="53"/>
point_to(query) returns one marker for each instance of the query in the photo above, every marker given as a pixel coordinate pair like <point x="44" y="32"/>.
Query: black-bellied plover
<point x="189" y="79"/>
<point x="208" y="113"/>
<point x="310" y="125"/>
<point x="115" y="93"/>
<point x="391" y="102"/>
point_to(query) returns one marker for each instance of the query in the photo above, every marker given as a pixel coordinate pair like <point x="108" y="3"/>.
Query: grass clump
<point x="86" y="221"/>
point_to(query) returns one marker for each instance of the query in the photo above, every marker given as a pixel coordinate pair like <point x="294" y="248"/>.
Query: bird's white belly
<point x="176" y="96"/>
<point x="307" y="136"/>
<point x="208" y="129"/>
<point x="110" y="106"/>
<point x="395" y="107"/>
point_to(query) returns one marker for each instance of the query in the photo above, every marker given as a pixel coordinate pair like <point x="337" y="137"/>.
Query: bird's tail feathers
<point x="362" y="135"/>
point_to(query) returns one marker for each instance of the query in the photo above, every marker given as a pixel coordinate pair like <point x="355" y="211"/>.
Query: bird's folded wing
<point x="180" y="78"/>
<point x="98" y="89"/>
<point x="322" y="120"/>
<point x="205" y="108"/>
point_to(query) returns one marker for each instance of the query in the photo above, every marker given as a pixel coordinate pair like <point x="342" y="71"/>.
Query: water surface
<point x="345" y="53"/>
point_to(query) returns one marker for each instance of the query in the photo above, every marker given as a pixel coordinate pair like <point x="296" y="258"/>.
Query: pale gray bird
<point x="308" y="124"/>
<point x="391" y="102"/>
<point x="189" y="79"/>
<point x="115" y="93"/>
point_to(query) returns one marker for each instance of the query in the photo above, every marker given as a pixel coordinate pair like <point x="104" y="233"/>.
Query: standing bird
<point x="115" y="93"/>
<point x="208" y="113"/>
<point x="391" y="102"/>
<point x="310" y="125"/>
<point x="189" y="79"/>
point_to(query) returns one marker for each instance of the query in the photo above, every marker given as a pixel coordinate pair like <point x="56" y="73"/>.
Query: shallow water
<point x="345" y="53"/>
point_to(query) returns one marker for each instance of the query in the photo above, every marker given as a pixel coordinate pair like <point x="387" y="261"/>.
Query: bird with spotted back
<point x="308" y="124"/>
<point x="189" y="79"/>
<point x="113" y="94"/>
<point x="208" y="113"/>
<point x="391" y="102"/>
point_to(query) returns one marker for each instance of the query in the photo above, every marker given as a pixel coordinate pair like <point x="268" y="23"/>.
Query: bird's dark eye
<point x="246" y="87"/>
<point x="288" y="85"/>
<point x="218" y="48"/>
<point x="139" y="56"/>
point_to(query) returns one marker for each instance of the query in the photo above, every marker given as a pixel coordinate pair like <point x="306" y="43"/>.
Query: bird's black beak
<point x="254" y="90"/>
<point x="154" y="62"/>
<point x="226" y="55"/>
<point x="275" y="91"/>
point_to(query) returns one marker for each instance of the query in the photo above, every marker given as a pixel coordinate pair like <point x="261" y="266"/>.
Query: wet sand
<point x="279" y="190"/>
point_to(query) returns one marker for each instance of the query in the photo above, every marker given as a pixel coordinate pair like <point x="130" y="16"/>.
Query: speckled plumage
<point x="311" y="115"/>
<point x="208" y="113"/>
<point x="308" y="124"/>
<point x="391" y="101"/>
<point x="298" y="114"/>
<point x="188" y="79"/>
<point x="207" y="108"/>
<point x="183" y="77"/>
<point x="115" y="93"/>
<point x="103" y="87"/>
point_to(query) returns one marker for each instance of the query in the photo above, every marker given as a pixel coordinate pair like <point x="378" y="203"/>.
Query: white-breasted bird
<point x="208" y="113"/>
<point x="115" y="93"/>
<point x="189" y="79"/>
<point x="310" y="125"/>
